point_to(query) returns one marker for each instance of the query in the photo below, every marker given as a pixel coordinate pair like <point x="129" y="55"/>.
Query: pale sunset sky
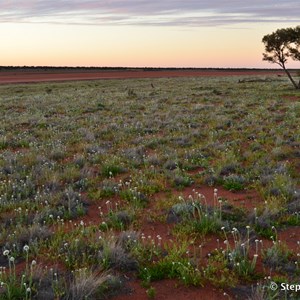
<point x="141" y="33"/>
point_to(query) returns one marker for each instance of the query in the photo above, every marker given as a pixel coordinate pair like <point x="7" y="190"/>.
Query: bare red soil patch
<point x="247" y="199"/>
<point x="291" y="98"/>
<point x="171" y="290"/>
<point x="291" y="237"/>
<point x="7" y="77"/>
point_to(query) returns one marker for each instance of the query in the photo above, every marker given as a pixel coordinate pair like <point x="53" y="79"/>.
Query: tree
<point x="280" y="45"/>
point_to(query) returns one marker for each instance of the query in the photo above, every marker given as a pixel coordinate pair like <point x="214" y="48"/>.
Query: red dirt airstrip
<point x="30" y="76"/>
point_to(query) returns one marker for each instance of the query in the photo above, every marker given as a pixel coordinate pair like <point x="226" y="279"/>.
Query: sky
<point x="141" y="33"/>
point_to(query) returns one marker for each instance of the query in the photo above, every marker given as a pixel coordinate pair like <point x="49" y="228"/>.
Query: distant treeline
<point x="49" y="68"/>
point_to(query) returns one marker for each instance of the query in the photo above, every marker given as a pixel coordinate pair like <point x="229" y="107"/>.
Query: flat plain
<point x="163" y="188"/>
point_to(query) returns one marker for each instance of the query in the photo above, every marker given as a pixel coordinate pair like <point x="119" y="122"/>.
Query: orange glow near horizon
<point x="135" y="46"/>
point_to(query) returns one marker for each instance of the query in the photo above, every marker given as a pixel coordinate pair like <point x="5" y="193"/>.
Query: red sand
<point x="65" y="75"/>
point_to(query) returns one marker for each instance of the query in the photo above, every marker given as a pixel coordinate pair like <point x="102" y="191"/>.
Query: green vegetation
<point x="280" y="45"/>
<point x="99" y="179"/>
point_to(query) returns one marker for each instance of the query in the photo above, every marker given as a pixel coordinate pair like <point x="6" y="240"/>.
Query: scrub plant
<point x="279" y="257"/>
<point x="195" y="216"/>
<point x="15" y="285"/>
<point x="174" y="265"/>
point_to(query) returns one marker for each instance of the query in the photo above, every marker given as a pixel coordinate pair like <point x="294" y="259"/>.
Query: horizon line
<point x="136" y="68"/>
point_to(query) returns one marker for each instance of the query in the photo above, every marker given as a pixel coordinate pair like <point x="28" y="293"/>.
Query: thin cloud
<point x="144" y="12"/>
